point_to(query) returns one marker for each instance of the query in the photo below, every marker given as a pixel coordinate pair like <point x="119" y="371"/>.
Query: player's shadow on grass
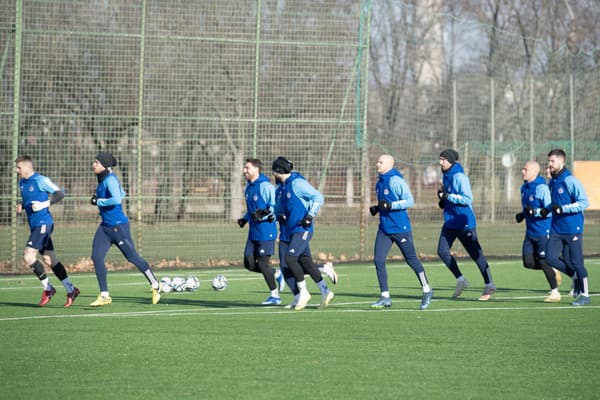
<point x="182" y="301"/>
<point x="16" y="304"/>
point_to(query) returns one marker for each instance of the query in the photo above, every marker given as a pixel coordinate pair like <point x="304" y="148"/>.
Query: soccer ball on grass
<point x="219" y="283"/>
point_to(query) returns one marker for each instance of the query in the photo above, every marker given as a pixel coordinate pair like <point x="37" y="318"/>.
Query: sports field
<point x="209" y="344"/>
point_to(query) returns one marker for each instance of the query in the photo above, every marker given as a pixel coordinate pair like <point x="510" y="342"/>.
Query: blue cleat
<point x="426" y="299"/>
<point x="272" y="301"/>
<point x="581" y="300"/>
<point x="280" y="280"/>
<point x="382" y="302"/>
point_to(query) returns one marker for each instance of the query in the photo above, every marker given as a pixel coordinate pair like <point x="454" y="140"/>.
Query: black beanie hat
<point x="106" y="159"/>
<point x="282" y="166"/>
<point x="450" y="154"/>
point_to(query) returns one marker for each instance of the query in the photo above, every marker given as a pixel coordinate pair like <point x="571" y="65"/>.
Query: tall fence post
<point x="492" y="152"/>
<point x="256" y="78"/>
<point x="140" y="126"/>
<point x="572" y="118"/>
<point x="16" y="128"/>
<point x="531" y="120"/>
<point x="362" y="75"/>
<point x="454" y="115"/>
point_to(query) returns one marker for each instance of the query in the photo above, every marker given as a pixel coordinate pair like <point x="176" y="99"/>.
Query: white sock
<point x="67" y="284"/>
<point x="554" y="290"/>
<point x="104" y="294"/>
<point x="426" y="288"/>
<point x="323" y="286"/>
<point x="46" y="284"/>
<point x="460" y="279"/>
<point x="275" y="293"/>
<point x="301" y="285"/>
<point x="385" y="294"/>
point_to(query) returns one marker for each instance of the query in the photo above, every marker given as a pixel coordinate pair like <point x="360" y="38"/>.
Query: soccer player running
<point x="566" y="230"/>
<point x="393" y="200"/>
<point x="114" y="229"/>
<point x="35" y="189"/>
<point x="262" y="232"/>
<point x="535" y="197"/>
<point x="456" y="199"/>
<point x="297" y="203"/>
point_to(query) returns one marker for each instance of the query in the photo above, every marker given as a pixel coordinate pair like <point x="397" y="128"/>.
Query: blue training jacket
<point x="537" y="195"/>
<point x="458" y="212"/>
<point x="295" y="199"/>
<point x="110" y="194"/>
<point x="568" y="192"/>
<point x="392" y="187"/>
<point x="36" y="188"/>
<point x="260" y="194"/>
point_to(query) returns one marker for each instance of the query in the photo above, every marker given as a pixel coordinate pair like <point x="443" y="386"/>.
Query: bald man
<point x="393" y="199"/>
<point x="535" y="196"/>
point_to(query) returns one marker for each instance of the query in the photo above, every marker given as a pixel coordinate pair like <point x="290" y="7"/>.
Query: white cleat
<point x="330" y="272"/>
<point x="325" y="299"/>
<point x="303" y="299"/>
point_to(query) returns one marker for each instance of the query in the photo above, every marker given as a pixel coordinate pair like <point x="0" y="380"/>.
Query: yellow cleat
<point x="101" y="301"/>
<point x="553" y="298"/>
<point x="156" y="294"/>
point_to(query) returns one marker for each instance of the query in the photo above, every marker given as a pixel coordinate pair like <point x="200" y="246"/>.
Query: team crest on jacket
<point x="288" y="195"/>
<point x="530" y="198"/>
<point x="561" y="190"/>
<point x="255" y="197"/>
<point x="31" y="188"/>
<point x="386" y="191"/>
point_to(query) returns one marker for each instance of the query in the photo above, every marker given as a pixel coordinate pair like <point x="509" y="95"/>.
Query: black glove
<point x="306" y="221"/>
<point x="442" y="195"/>
<point x="442" y="203"/>
<point x="241" y="222"/>
<point x="384" y="205"/>
<point x="94" y="200"/>
<point x="519" y="217"/>
<point x="260" y="214"/>
<point x="282" y="218"/>
<point x="374" y="210"/>
<point x="529" y="210"/>
<point x="557" y="209"/>
<point x="544" y="212"/>
<point x="271" y="218"/>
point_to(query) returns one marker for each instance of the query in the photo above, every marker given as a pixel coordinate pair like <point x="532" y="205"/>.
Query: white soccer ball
<point x="166" y="285"/>
<point x="192" y="283"/>
<point x="219" y="283"/>
<point x="178" y="284"/>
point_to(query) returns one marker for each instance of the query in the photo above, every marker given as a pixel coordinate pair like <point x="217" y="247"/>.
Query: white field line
<point x="334" y="308"/>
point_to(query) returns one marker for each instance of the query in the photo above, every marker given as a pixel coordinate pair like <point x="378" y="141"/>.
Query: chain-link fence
<point x="182" y="93"/>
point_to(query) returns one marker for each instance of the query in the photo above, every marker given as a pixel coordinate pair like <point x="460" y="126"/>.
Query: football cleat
<point x="156" y="294"/>
<point x="488" y="291"/>
<point x="326" y="298"/>
<point x="280" y="280"/>
<point x="293" y="303"/>
<point x="101" y="301"/>
<point x="47" y="296"/>
<point x="71" y="297"/>
<point x="272" y="301"/>
<point x="382" y="302"/>
<point x="581" y="300"/>
<point x="426" y="299"/>
<point x="554" y="297"/>
<point x="303" y="299"/>
<point x="330" y="272"/>
<point x="460" y="286"/>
